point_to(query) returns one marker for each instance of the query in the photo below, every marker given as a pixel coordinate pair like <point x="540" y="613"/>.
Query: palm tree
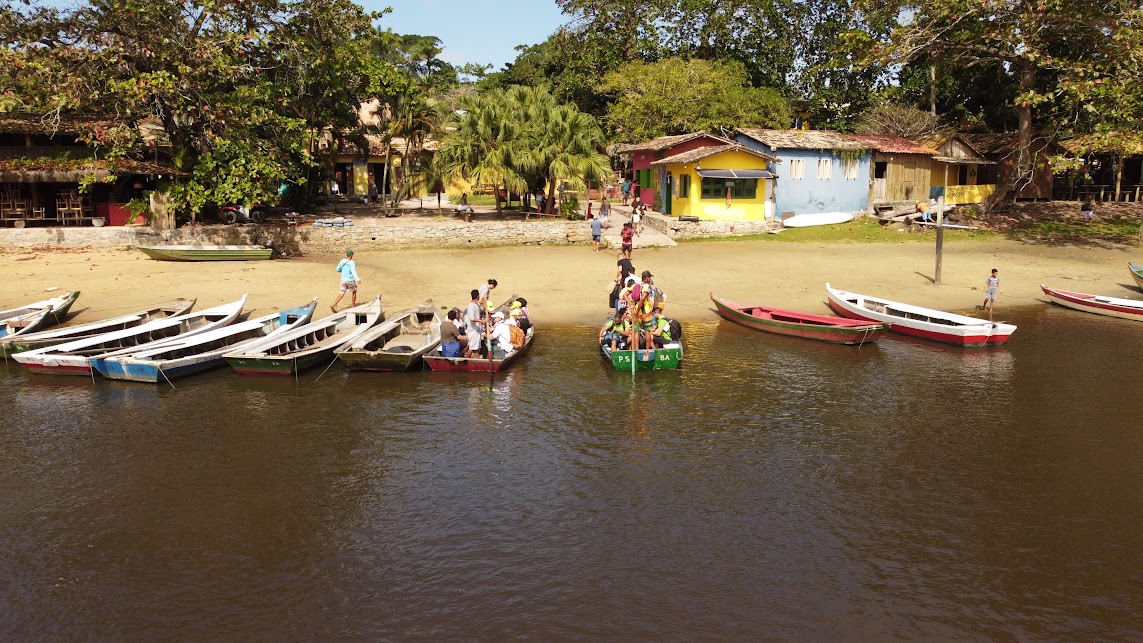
<point x="413" y="117"/>
<point x="480" y="147"/>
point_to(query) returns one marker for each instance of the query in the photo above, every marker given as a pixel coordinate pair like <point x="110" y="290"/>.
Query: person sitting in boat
<point x="616" y="331"/>
<point x="501" y="337"/>
<point x="451" y="335"/>
<point x="661" y="333"/>
<point x="520" y="313"/>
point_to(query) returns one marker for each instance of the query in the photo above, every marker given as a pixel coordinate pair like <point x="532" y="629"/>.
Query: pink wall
<point x="642" y="160"/>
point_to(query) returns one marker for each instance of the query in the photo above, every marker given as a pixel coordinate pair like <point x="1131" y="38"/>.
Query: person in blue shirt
<point x="596" y="232"/>
<point x="349" y="280"/>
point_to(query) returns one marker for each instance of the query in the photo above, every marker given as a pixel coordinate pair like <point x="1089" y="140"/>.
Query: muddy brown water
<point x="774" y="488"/>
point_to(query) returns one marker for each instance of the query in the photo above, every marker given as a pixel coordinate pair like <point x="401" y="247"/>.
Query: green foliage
<point x="139" y="207"/>
<point x="676" y="96"/>
<point x="570" y="209"/>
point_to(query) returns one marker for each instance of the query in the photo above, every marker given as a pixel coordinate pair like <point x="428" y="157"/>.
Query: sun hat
<point x="516" y="312"/>
<point x="349" y="252"/>
<point x="498" y="315"/>
<point x="517" y="304"/>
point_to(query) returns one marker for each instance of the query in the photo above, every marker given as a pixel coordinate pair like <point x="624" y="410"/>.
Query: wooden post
<point x="940" y="238"/>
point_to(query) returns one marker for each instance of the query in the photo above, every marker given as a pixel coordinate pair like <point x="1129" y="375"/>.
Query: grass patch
<point x="1121" y="229"/>
<point x="860" y="230"/>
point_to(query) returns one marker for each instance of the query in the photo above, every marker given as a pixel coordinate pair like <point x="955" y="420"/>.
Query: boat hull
<point x="133" y="372"/>
<point x="1136" y="274"/>
<point x="278" y="365"/>
<point x="967" y="340"/>
<point x="208" y="253"/>
<point x="820" y="218"/>
<point x="82" y="370"/>
<point x="1091" y="304"/>
<point x="655" y="359"/>
<point x="850" y="334"/>
<point x="34" y="322"/>
<point x="380" y="361"/>
<point x="974" y="335"/>
<point x="476" y="365"/>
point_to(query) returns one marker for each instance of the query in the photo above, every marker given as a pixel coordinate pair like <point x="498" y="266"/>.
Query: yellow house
<point x="960" y="173"/>
<point x="719" y="183"/>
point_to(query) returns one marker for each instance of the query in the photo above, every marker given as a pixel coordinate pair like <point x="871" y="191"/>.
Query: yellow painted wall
<point x="716" y="209"/>
<point x="959" y="194"/>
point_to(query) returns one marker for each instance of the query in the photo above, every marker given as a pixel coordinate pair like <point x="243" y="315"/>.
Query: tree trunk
<point x="1118" y="175"/>
<point x="1022" y="170"/>
<point x="496" y="195"/>
<point x="932" y="89"/>
<point x="385" y="181"/>
<point x="551" y="204"/>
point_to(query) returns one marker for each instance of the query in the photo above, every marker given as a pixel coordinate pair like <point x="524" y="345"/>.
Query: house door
<point x="880" y="169"/>
<point x="670" y="195"/>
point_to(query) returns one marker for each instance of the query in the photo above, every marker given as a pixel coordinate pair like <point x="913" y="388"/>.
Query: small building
<point x="822" y="171"/>
<point x="727" y="182"/>
<point x="642" y="155"/>
<point x="1002" y="148"/>
<point x="960" y="173"/>
<point x="901" y="169"/>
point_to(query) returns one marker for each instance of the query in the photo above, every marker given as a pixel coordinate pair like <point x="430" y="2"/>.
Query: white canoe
<point x="33" y="317"/>
<point x="926" y="323"/>
<point x="43" y="338"/>
<point x="817" y="218"/>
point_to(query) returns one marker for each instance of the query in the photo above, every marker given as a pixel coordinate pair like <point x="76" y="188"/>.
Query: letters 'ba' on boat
<point x="437" y="362"/>
<point x="667" y="358"/>
<point x="925" y="323"/>
<point x="208" y="253"/>
<point x="187" y="355"/>
<point x="1136" y="274"/>
<point x="312" y="344"/>
<point x="826" y="328"/>
<point x="21" y="343"/>
<point x="397" y="344"/>
<point x="1099" y="305"/>
<point x="34" y="317"/>
<point x="72" y="358"/>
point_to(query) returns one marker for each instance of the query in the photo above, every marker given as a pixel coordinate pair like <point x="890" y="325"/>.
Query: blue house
<point x="820" y="171"/>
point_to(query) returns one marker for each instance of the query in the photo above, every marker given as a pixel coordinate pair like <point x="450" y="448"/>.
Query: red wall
<point x="642" y="161"/>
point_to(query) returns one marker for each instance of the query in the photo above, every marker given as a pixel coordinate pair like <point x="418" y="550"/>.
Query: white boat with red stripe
<point x="1098" y="304"/>
<point x="925" y="323"/>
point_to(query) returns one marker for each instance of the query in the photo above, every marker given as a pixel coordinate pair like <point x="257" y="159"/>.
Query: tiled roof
<point x="893" y="144"/>
<point x="795" y="139"/>
<point x="665" y="142"/>
<point x="704" y="152"/>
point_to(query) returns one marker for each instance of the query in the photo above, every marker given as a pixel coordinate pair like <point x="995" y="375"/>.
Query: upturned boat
<point x="1136" y="273"/>
<point x="186" y="355"/>
<point x="397" y="344"/>
<point x="1099" y="305"/>
<point x="26" y="342"/>
<point x="71" y="358"/>
<point x="925" y="323"/>
<point x="308" y="345"/>
<point x="207" y="253"/>
<point x="826" y="328"/>
<point x="438" y="362"/>
<point x="34" y="317"/>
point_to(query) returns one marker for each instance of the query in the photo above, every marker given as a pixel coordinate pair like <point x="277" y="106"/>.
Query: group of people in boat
<point x="468" y="333"/>
<point x="637" y="321"/>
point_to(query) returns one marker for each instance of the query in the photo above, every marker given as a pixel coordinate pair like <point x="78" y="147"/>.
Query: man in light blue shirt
<point x="349" y="280"/>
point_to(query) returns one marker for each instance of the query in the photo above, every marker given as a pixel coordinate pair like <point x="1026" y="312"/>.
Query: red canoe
<point x="1110" y="306"/>
<point x="826" y="328"/>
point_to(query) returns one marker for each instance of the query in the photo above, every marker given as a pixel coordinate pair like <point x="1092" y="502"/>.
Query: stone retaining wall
<point x="676" y="229"/>
<point x="306" y="239"/>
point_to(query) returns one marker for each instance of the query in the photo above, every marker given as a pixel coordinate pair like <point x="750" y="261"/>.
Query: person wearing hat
<point x="501" y="336"/>
<point x="520" y="314"/>
<point x="349" y="280"/>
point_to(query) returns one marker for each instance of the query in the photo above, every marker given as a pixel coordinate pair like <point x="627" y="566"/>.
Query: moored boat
<point x="1097" y="304"/>
<point x="826" y="328"/>
<point x="304" y="346"/>
<point x="1136" y="273"/>
<point x="187" y="355"/>
<point x="438" y="362"/>
<point x="20" y="343"/>
<point x="925" y="323"/>
<point x="397" y="344"/>
<point x="34" y="317"/>
<point x="71" y="358"/>
<point x="207" y="253"/>
<point x="667" y="358"/>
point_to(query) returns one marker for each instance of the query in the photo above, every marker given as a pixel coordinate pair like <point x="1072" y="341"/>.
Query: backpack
<point x="517" y="336"/>
<point x="676" y="330"/>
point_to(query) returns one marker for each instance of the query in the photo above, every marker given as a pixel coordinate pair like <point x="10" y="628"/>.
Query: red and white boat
<point x="926" y="323"/>
<point x="1110" y="306"/>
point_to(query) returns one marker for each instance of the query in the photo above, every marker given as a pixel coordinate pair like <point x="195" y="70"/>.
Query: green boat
<point x="667" y="358"/>
<point x="207" y="253"/>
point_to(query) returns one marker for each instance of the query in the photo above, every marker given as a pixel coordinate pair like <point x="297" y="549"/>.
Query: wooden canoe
<point x="73" y="358"/>
<point x="438" y="362"/>
<point x="1136" y="273"/>
<point x="826" y="328"/>
<point x="309" y="345"/>
<point x="35" y="317"/>
<point x="20" y="343"/>
<point x="1107" y="306"/>
<point x="398" y="344"/>
<point x="207" y="253"/>
<point x="186" y="355"/>
<point x="925" y="323"/>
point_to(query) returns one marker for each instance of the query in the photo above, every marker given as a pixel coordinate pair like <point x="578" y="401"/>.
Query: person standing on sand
<point x="626" y="235"/>
<point x="991" y="290"/>
<point x="596" y="232"/>
<point x="349" y="280"/>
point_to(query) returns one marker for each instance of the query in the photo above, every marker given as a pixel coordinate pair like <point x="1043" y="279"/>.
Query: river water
<point x="774" y="488"/>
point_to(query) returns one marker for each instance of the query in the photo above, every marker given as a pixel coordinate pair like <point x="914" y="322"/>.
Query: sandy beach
<point x="568" y="284"/>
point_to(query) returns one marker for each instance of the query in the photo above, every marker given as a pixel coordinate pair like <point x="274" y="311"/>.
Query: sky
<point x="474" y="31"/>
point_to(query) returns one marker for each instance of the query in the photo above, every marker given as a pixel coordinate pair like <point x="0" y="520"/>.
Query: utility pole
<point x="940" y="237"/>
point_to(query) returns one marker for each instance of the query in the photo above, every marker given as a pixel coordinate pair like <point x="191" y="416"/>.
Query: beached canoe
<point x="925" y="323"/>
<point x="1108" y="306"/>
<point x="35" y="317"/>
<point x="187" y="355"/>
<point x="826" y="328"/>
<point x="71" y="358"/>
<point x="308" y="345"/>
<point x="397" y="344"/>
<point x="438" y="362"/>
<point x="817" y="218"/>
<point x="20" y="343"/>
<point x="207" y="253"/>
<point x="1136" y="273"/>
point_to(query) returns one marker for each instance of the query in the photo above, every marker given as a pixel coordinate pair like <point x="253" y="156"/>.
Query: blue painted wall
<point x="810" y="195"/>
